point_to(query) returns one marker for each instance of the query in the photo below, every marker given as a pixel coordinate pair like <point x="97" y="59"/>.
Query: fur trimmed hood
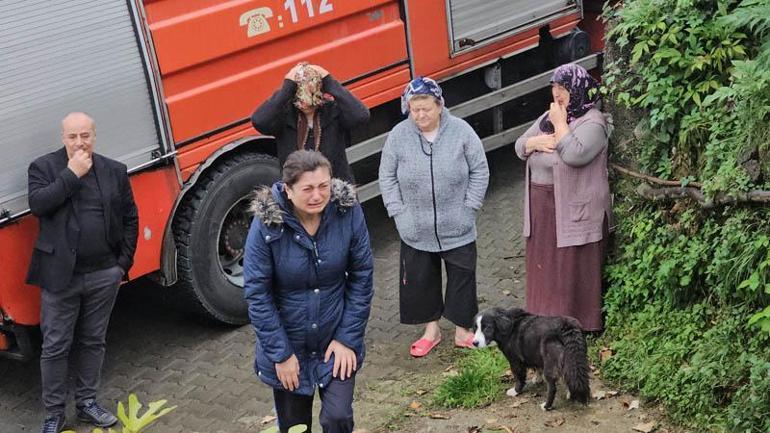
<point x="270" y="210"/>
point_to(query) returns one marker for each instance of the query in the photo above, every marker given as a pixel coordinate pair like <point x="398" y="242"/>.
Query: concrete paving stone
<point x="207" y="371"/>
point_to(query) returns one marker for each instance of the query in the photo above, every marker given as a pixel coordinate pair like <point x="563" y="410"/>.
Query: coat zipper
<point x="433" y="192"/>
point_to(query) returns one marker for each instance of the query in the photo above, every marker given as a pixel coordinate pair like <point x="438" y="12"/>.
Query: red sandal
<point x="423" y="347"/>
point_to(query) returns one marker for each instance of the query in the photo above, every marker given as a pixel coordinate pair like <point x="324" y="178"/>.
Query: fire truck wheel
<point x="210" y="231"/>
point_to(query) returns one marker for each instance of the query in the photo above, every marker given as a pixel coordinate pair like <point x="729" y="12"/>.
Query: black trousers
<point x="336" y="407"/>
<point x="76" y="318"/>
<point x="420" y="285"/>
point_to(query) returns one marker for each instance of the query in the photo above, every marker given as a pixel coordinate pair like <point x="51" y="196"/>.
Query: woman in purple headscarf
<point x="567" y="200"/>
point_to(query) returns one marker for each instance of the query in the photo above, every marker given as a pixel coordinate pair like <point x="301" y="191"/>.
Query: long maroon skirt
<point x="561" y="281"/>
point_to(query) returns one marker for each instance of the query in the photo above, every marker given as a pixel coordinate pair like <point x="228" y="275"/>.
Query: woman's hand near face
<point x="558" y="114"/>
<point x="345" y="362"/>
<point x="541" y="143"/>
<point x="292" y="74"/>
<point x="288" y="373"/>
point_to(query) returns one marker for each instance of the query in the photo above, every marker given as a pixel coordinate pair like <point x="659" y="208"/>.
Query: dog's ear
<point x="503" y="322"/>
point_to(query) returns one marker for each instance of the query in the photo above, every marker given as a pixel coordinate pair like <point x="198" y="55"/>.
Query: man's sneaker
<point x="94" y="414"/>
<point x="53" y="424"/>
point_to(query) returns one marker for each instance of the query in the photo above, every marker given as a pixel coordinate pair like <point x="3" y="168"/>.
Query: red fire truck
<point x="171" y="84"/>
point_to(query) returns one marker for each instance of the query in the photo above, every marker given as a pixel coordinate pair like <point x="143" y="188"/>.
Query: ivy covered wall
<point x="688" y="293"/>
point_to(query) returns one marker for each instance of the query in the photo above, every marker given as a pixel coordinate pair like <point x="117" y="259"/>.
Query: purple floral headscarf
<point x="420" y="86"/>
<point x="583" y="92"/>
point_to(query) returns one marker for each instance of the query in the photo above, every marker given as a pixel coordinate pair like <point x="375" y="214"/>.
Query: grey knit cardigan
<point x="433" y="190"/>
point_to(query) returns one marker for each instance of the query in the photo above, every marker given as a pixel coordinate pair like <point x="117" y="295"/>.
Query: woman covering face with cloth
<point x="567" y="200"/>
<point x="312" y="111"/>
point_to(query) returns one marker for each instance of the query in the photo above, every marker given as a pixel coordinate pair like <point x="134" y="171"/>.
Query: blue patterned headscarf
<point x="420" y="86"/>
<point x="583" y="92"/>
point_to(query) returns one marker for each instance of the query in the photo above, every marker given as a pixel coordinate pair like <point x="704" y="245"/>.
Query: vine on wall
<point x="688" y="299"/>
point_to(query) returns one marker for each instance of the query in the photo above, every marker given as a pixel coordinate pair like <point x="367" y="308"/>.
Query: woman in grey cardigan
<point x="433" y="177"/>
<point x="567" y="200"/>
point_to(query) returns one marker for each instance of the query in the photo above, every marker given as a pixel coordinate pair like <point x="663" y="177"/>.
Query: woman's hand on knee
<point x="345" y="362"/>
<point x="288" y="373"/>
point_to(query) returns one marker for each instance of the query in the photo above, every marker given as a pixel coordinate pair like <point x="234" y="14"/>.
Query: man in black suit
<point x="88" y="232"/>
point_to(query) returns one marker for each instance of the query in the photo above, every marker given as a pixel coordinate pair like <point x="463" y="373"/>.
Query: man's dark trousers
<point x="88" y="234"/>
<point x="81" y="312"/>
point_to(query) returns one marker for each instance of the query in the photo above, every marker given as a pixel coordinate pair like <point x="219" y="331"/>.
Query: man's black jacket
<point x="51" y="186"/>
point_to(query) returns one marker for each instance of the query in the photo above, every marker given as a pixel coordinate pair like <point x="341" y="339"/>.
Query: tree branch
<point x="651" y="179"/>
<point x="663" y="193"/>
<point x="672" y="189"/>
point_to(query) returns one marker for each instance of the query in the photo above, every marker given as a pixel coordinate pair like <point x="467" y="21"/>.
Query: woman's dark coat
<point x="303" y="291"/>
<point x="277" y="116"/>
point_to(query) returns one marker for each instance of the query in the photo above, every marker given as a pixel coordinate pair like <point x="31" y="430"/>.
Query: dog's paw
<point x="544" y="407"/>
<point x="512" y="392"/>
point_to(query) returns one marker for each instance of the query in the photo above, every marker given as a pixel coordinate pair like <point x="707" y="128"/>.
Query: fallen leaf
<point x="602" y="394"/>
<point x="555" y="422"/>
<point x="451" y="373"/>
<point x="520" y="402"/>
<point x="499" y="427"/>
<point x="474" y="429"/>
<point x="633" y="404"/>
<point x="646" y="427"/>
<point x="604" y="354"/>
<point x="421" y="392"/>
<point x="415" y="405"/>
<point x="490" y="420"/>
<point x="267" y="419"/>
<point x="438" y="416"/>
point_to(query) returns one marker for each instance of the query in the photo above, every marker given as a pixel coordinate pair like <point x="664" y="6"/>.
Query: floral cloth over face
<point x="309" y="88"/>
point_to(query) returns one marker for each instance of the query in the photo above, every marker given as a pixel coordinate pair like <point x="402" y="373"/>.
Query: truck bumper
<point x="18" y="342"/>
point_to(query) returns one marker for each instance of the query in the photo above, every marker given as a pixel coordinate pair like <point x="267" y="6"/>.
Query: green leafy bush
<point x="688" y="298"/>
<point x="699" y="361"/>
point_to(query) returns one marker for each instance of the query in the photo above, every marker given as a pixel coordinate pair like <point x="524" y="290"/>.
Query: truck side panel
<point x="431" y="45"/>
<point x="239" y="51"/>
<point x="19" y="301"/>
<point x="70" y="55"/>
<point x="154" y="192"/>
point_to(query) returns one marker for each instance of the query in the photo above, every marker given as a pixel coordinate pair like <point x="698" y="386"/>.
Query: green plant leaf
<point x="132" y="422"/>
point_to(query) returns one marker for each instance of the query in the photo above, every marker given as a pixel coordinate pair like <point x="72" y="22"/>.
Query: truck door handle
<point x="465" y="42"/>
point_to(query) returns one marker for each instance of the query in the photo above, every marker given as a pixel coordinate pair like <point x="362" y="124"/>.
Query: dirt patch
<point x="401" y="400"/>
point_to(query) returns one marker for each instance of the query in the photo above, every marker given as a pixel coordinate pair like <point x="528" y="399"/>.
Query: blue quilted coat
<point x="305" y="291"/>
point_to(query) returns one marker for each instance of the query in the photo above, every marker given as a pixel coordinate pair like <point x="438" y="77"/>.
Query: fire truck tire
<point x="210" y="231"/>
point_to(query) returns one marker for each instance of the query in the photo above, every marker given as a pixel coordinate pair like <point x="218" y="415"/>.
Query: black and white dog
<point x="554" y="345"/>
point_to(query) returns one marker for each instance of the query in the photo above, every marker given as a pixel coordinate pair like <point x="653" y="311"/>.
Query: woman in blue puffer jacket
<point x="308" y="284"/>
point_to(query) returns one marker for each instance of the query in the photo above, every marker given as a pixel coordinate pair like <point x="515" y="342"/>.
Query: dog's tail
<point x="575" y="363"/>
